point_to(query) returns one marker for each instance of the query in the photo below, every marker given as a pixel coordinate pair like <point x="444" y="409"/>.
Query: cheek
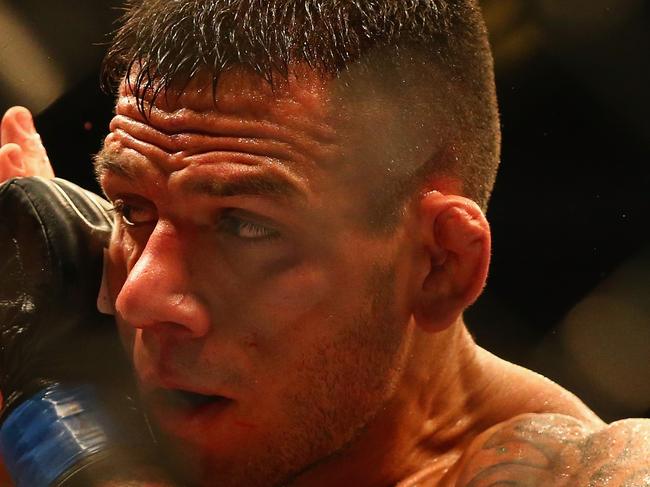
<point x="297" y="292"/>
<point x="273" y="316"/>
<point x="264" y="323"/>
<point x="308" y="299"/>
<point x="299" y="310"/>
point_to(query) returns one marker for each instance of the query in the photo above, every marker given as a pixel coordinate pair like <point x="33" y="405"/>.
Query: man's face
<point x="268" y="327"/>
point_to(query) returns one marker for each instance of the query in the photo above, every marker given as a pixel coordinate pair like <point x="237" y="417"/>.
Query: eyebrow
<point x="105" y="162"/>
<point x="244" y="184"/>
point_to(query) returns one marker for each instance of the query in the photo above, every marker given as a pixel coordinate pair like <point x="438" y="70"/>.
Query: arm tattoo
<point x="559" y="451"/>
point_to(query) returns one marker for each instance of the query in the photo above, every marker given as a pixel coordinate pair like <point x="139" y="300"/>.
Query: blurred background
<point x="569" y="290"/>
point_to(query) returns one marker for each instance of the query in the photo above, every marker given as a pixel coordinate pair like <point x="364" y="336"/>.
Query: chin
<point x="235" y="458"/>
<point x="197" y="465"/>
<point x="205" y="445"/>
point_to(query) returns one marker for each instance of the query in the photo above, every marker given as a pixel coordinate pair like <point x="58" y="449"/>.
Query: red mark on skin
<point x="250" y="340"/>
<point x="245" y="425"/>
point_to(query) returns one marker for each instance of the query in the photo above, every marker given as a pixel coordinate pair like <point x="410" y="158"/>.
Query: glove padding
<point x="52" y="338"/>
<point x="52" y="236"/>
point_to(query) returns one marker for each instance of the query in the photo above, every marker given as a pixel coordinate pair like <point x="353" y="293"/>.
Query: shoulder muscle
<point x="555" y="450"/>
<point x="618" y="455"/>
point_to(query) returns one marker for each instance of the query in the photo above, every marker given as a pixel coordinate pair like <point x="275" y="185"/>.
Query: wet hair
<point x="165" y="43"/>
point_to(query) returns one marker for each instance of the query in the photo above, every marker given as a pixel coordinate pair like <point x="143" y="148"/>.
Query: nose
<point x="159" y="287"/>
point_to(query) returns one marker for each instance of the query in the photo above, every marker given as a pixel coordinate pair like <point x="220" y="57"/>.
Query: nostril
<point x="163" y="334"/>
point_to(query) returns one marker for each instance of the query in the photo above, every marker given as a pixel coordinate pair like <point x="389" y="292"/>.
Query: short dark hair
<point x="165" y="43"/>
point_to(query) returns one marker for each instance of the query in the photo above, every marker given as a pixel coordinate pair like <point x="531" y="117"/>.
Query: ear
<point x="456" y="237"/>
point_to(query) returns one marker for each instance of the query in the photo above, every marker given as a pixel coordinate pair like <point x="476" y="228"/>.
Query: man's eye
<point x="134" y="214"/>
<point x="246" y="229"/>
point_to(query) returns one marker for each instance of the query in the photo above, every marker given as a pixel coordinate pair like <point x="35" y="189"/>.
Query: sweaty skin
<point x="247" y="275"/>
<point x="558" y="450"/>
<point x="241" y="269"/>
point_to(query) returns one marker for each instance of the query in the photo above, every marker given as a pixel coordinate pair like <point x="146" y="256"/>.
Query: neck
<point x="445" y="404"/>
<point x="427" y="421"/>
<point x="450" y="392"/>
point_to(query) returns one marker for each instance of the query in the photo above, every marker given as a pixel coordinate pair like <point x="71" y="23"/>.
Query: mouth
<point x="187" y="401"/>
<point x="188" y="415"/>
<point x="194" y="399"/>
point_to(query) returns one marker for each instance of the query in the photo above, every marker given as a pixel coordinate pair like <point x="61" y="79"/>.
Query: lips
<point x="187" y="414"/>
<point x="185" y="401"/>
<point x="162" y="389"/>
<point x="187" y="417"/>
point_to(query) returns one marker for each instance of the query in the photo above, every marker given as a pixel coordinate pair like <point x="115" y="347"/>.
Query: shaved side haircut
<point x="434" y="54"/>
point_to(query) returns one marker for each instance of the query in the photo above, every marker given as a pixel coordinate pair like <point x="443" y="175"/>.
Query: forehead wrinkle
<point x="242" y="179"/>
<point x="188" y="144"/>
<point x="239" y="92"/>
<point x="305" y="135"/>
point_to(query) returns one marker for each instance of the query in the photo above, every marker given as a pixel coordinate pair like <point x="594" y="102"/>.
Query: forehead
<point x="312" y="132"/>
<point x="238" y="90"/>
<point x="318" y="109"/>
<point x="291" y="123"/>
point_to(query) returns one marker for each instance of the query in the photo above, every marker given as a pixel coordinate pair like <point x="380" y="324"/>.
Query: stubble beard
<point x="354" y="376"/>
<point x="369" y="355"/>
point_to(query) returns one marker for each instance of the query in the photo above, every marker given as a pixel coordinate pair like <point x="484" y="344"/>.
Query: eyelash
<point x="117" y="208"/>
<point x="234" y="225"/>
<point x="228" y="223"/>
<point x="121" y="209"/>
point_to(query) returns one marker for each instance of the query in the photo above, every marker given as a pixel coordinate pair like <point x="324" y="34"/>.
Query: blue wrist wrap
<point x="51" y="432"/>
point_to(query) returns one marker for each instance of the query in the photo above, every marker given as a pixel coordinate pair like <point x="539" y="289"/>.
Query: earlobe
<point x="456" y="236"/>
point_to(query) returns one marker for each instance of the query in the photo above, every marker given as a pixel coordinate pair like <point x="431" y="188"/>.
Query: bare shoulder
<point x="619" y="455"/>
<point x="553" y="450"/>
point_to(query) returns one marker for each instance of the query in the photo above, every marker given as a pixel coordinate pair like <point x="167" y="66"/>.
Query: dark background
<point x="569" y="290"/>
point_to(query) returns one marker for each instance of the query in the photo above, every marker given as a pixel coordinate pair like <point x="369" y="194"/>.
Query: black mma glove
<point x="68" y="410"/>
